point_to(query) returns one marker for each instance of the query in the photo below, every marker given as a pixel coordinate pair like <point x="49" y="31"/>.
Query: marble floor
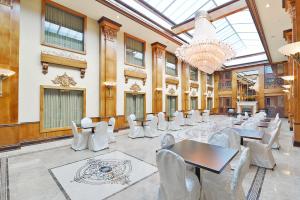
<point x="29" y="178"/>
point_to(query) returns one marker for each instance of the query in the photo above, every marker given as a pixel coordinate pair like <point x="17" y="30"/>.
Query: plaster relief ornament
<point x="64" y="80"/>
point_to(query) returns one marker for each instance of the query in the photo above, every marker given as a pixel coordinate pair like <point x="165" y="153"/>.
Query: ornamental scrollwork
<point x="64" y="81"/>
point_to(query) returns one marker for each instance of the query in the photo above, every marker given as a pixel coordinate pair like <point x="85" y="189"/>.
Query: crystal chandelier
<point x="205" y="51"/>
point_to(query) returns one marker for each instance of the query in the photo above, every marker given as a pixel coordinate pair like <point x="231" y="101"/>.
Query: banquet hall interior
<point x="149" y="99"/>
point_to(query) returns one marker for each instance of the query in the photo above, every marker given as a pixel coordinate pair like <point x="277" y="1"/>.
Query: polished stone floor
<point x="29" y="178"/>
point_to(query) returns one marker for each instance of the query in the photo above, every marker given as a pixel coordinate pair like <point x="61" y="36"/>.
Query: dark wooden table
<point x="142" y="121"/>
<point x="202" y="155"/>
<point x="266" y="120"/>
<point x="263" y="125"/>
<point x="187" y="114"/>
<point x="239" y="123"/>
<point x="92" y="126"/>
<point x="248" y="133"/>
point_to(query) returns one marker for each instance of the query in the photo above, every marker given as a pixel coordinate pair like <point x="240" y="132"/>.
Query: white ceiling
<point x="274" y="21"/>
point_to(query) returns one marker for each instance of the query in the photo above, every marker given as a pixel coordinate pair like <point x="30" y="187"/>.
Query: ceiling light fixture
<point x="267" y="5"/>
<point x="287" y="78"/>
<point x="287" y="91"/>
<point x="292" y="50"/>
<point x="286" y="86"/>
<point x="205" y="52"/>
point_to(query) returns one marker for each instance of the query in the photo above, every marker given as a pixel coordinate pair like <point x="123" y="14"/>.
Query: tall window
<point x="193" y="74"/>
<point x="272" y="76"/>
<point x="63" y="27"/>
<point x="134" y="51"/>
<point x="194" y="103"/>
<point x="60" y="107"/>
<point x="209" y="103"/>
<point x="209" y="79"/>
<point x="135" y="105"/>
<point x="171" y="105"/>
<point x="171" y="64"/>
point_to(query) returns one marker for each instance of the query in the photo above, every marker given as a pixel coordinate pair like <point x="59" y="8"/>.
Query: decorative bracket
<point x="137" y="75"/>
<point x="172" y="82"/>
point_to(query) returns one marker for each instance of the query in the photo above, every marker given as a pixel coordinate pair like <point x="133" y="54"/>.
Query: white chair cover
<point x="246" y="115"/>
<point x="234" y="139"/>
<point x="225" y="185"/>
<point x="205" y="116"/>
<point x="249" y="124"/>
<point x="219" y="139"/>
<point x="176" y="183"/>
<point x="134" y="130"/>
<point x="162" y="123"/>
<point x="190" y="120"/>
<point x="167" y="140"/>
<point x="85" y="122"/>
<point x="175" y="124"/>
<point x="149" y="116"/>
<point x="198" y="116"/>
<point x="268" y="134"/>
<point x="151" y="128"/>
<point x="99" y="140"/>
<point x="181" y="118"/>
<point x="80" y="140"/>
<point x="261" y="154"/>
<point x="110" y="129"/>
<point x="239" y="117"/>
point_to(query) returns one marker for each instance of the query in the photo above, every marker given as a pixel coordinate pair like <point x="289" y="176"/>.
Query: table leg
<point x="242" y="141"/>
<point x="198" y="173"/>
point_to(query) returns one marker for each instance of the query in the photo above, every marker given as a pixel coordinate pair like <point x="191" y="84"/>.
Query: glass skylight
<point x="237" y="29"/>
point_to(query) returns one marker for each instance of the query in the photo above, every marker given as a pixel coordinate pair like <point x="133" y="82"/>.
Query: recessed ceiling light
<point x="267" y="5"/>
<point x="118" y="16"/>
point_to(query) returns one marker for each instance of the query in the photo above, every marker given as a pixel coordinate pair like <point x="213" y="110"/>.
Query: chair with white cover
<point x="85" y="122"/>
<point x="190" y="120"/>
<point x="80" y="140"/>
<point x="252" y="125"/>
<point x="219" y="139"/>
<point x="198" y="116"/>
<point x="162" y="123"/>
<point x="175" y="124"/>
<point x="149" y="116"/>
<point x="99" y="140"/>
<point x="246" y="115"/>
<point x="205" y="115"/>
<point x="261" y="153"/>
<point x="181" y="118"/>
<point x="226" y="185"/>
<point x="135" y="131"/>
<point x="176" y="183"/>
<point x="167" y="140"/>
<point x="151" y="128"/>
<point x="110" y="129"/>
<point x="267" y="134"/>
<point x="234" y="142"/>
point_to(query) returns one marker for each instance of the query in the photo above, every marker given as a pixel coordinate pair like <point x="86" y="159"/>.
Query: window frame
<point x="42" y="95"/>
<point x="126" y="36"/>
<point x="134" y="93"/>
<point x="176" y="64"/>
<point x="70" y="11"/>
<point x="197" y="73"/>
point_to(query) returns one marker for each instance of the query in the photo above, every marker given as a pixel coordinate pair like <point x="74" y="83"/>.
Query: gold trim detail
<point x="64" y="80"/>
<point x="135" y="88"/>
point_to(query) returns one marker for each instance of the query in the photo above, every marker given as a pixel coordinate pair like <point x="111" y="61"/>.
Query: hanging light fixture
<point x="205" y="52"/>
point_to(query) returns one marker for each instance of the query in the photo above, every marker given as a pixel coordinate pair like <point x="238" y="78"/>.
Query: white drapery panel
<point x="135" y="105"/>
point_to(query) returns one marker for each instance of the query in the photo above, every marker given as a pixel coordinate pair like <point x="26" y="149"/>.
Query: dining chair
<point x="162" y="123"/>
<point x="226" y="185"/>
<point x="99" y="140"/>
<point x="80" y="140"/>
<point x="261" y="153"/>
<point x="268" y="134"/>
<point x="190" y="120"/>
<point x="167" y="140"/>
<point x="135" y="131"/>
<point x="219" y="139"/>
<point x="176" y="183"/>
<point x="85" y="122"/>
<point x="181" y="118"/>
<point x="110" y="129"/>
<point x="234" y="142"/>
<point x="151" y="128"/>
<point x="175" y="124"/>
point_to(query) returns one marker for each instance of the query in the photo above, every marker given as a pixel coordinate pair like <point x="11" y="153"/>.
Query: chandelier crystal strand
<point x="205" y="51"/>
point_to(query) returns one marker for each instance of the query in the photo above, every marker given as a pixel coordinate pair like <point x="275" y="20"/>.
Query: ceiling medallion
<point x="64" y="80"/>
<point x="205" y="52"/>
<point x="135" y="87"/>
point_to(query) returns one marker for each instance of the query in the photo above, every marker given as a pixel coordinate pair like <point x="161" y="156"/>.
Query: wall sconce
<point x="109" y="85"/>
<point x="158" y="89"/>
<point x="292" y="50"/>
<point x="4" y="73"/>
<point x="187" y="92"/>
<point x="286" y="86"/>
<point x="285" y="90"/>
<point x="287" y="78"/>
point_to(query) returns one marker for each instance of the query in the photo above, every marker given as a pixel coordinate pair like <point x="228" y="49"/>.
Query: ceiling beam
<point x="214" y="14"/>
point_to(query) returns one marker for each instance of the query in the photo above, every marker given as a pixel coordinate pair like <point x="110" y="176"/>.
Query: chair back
<point x="149" y="116"/>
<point x="153" y="123"/>
<point x="172" y="172"/>
<point x="161" y="117"/>
<point x="112" y="122"/>
<point x="249" y="124"/>
<point x="234" y="138"/>
<point x="246" y="114"/>
<point x="167" y="140"/>
<point x="219" y="139"/>
<point x="130" y="119"/>
<point x="86" y="121"/>
<point x="274" y="135"/>
<point x="181" y="118"/>
<point x="101" y="131"/>
<point x="74" y="129"/>
<point x="241" y="170"/>
<point x="239" y="117"/>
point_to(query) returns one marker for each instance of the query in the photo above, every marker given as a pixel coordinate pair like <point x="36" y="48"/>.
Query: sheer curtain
<point x="62" y="107"/>
<point x="135" y="105"/>
<point x="134" y="52"/>
<point x="194" y="103"/>
<point x="63" y="29"/>
<point x="171" y="105"/>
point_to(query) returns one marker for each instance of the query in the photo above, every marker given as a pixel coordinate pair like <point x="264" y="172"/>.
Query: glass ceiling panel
<point x="240" y="61"/>
<point x="237" y="29"/>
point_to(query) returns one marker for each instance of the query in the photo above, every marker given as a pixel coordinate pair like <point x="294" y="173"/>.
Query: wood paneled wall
<point x="108" y="65"/>
<point x="158" y="67"/>
<point x="185" y="86"/>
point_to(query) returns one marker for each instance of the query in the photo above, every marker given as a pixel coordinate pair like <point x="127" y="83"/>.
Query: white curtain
<point x="194" y="103"/>
<point x="135" y="105"/>
<point x="62" y="107"/>
<point x="171" y="109"/>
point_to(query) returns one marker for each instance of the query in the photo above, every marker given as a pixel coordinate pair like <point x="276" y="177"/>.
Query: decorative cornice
<point x="64" y="80"/>
<point x="135" y="88"/>
<point x="109" y="33"/>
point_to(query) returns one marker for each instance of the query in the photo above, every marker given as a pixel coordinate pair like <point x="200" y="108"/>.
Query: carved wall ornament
<point x="109" y="33"/>
<point x="135" y="87"/>
<point x="172" y="91"/>
<point x="64" y="80"/>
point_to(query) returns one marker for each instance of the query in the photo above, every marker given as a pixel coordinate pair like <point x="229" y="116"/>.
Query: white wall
<point x="31" y="76"/>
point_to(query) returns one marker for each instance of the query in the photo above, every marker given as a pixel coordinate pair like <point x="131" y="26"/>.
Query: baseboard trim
<point x="10" y="147"/>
